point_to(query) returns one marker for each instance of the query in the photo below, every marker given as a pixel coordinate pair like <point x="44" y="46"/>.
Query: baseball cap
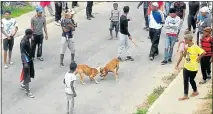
<point x="155" y="4"/>
<point x="188" y="37"/>
<point x="39" y="9"/>
<point x="204" y="9"/>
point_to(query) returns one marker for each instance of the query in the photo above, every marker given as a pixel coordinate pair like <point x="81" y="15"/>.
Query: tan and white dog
<point x="83" y="69"/>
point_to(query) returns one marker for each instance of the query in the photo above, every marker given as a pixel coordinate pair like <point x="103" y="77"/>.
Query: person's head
<point x="204" y="11"/>
<point x="28" y="33"/>
<point x="115" y="6"/>
<point x="67" y="15"/>
<point x="172" y="12"/>
<point x="39" y="11"/>
<point x="188" y="38"/>
<point x="126" y="9"/>
<point x="7" y="14"/>
<point x="155" y="6"/>
<point x="73" y="66"/>
<point x="207" y="31"/>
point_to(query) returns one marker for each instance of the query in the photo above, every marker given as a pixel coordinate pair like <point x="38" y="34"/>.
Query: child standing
<point x="206" y="44"/>
<point x="70" y="87"/>
<point x="114" y="20"/>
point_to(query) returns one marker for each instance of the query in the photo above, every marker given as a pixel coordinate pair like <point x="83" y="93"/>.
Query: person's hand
<point x="130" y="19"/>
<point x="8" y="37"/>
<point x="26" y="65"/>
<point x="46" y="37"/>
<point x="75" y="95"/>
<point x="198" y="59"/>
<point x="195" y="17"/>
<point x="130" y="37"/>
<point x="138" y="7"/>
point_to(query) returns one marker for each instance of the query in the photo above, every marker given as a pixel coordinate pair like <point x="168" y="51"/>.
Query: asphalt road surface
<point x="136" y="79"/>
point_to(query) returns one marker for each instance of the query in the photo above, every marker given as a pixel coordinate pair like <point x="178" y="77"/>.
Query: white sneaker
<point x="5" y="67"/>
<point x="30" y="95"/>
<point x="57" y="23"/>
<point x="11" y="63"/>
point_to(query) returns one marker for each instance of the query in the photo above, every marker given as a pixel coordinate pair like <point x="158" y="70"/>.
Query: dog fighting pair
<point x="85" y="70"/>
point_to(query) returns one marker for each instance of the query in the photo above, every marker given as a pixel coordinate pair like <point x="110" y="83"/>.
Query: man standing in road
<point x="145" y="11"/>
<point x="155" y="25"/>
<point x="124" y="35"/>
<point x="38" y="23"/>
<point x="58" y="11"/>
<point x="28" y="66"/>
<point x="9" y="29"/>
<point x="89" y="10"/>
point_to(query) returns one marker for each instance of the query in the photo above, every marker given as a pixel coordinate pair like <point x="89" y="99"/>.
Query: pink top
<point x="182" y="46"/>
<point x="44" y="4"/>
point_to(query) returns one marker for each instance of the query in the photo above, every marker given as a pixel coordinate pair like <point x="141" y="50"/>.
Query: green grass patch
<point x="16" y="12"/>
<point x="150" y="100"/>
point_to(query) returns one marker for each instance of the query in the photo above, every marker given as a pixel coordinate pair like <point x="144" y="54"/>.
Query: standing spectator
<point x="124" y="35"/>
<point x="145" y="10"/>
<point x="205" y="63"/>
<point x="74" y="4"/>
<point x="58" y="11"/>
<point x="155" y="25"/>
<point x="180" y="10"/>
<point x="89" y="10"/>
<point x="192" y="17"/>
<point x="38" y="23"/>
<point x="9" y="29"/>
<point x="205" y="22"/>
<point x="114" y="20"/>
<point x="70" y="87"/>
<point x="171" y="25"/>
<point x="28" y="66"/>
<point x="192" y="55"/>
<point x="48" y="4"/>
<point x="67" y="37"/>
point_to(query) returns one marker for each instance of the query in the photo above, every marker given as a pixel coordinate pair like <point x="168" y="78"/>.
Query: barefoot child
<point x="114" y="20"/>
<point x="192" y="55"/>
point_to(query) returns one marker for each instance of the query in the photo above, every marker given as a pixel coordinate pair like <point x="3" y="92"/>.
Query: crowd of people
<point x="169" y="15"/>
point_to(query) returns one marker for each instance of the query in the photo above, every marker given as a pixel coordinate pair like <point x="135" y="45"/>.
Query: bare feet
<point x="183" y="98"/>
<point x="194" y="94"/>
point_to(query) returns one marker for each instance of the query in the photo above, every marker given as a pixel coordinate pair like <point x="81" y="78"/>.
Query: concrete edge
<point x="50" y="20"/>
<point x="165" y="91"/>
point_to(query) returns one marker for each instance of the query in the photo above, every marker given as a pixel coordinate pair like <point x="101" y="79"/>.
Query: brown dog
<point x="112" y="66"/>
<point x="88" y="71"/>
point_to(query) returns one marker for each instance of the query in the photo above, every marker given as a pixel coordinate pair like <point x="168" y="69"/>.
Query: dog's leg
<point x="92" y="77"/>
<point x="115" y="74"/>
<point x="117" y="68"/>
<point x="81" y="78"/>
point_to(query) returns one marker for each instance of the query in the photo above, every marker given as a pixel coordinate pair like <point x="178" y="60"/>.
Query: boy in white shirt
<point x="70" y="81"/>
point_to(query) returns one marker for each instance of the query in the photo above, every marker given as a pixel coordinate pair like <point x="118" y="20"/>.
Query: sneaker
<point x="119" y="58"/>
<point x="169" y="60"/>
<point x="129" y="58"/>
<point x="203" y="82"/>
<point x="92" y="16"/>
<point x="88" y="18"/>
<point x="164" y="62"/>
<point x="11" y="63"/>
<point x="23" y="87"/>
<point x="57" y="23"/>
<point x="156" y="54"/>
<point x="40" y="58"/>
<point x="194" y="31"/>
<point x="5" y="67"/>
<point x="29" y="94"/>
<point x="208" y="76"/>
<point x="145" y="28"/>
<point x="62" y="65"/>
<point x="151" y="58"/>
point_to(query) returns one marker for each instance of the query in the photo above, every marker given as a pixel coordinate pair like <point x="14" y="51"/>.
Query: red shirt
<point x="43" y="4"/>
<point x="206" y="44"/>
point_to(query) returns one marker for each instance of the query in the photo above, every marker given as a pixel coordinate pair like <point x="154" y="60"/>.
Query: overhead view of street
<point x="91" y="44"/>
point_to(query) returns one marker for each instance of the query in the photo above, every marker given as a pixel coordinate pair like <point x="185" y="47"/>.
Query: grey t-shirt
<point x="205" y="23"/>
<point x="65" y="22"/>
<point x="38" y="24"/>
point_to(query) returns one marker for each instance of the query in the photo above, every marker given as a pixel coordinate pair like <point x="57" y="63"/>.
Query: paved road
<point x="136" y="79"/>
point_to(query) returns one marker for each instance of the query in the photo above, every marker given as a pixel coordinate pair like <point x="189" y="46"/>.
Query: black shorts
<point x="114" y="24"/>
<point x="8" y="44"/>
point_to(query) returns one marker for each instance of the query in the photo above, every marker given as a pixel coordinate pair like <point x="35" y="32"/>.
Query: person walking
<point x="38" y="23"/>
<point x="155" y="25"/>
<point x="192" y="17"/>
<point x="205" y="22"/>
<point x="167" y="6"/>
<point x="58" y="11"/>
<point x="205" y="63"/>
<point x="75" y="4"/>
<point x="192" y="55"/>
<point x="114" y="20"/>
<point x="9" y="28"/>
<point x="172" y="23"/>
<point x="89" y="10"/>
<point x="27" y="62"/>
<point x="124" y="35"/>
<point x="145" y="10"/>
<point x="70" y="87"/>
<point x="48" y="5"/>
<point x="67" y="37"/>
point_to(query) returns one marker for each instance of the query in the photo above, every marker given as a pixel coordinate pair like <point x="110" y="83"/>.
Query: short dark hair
<point x="115" y="4"/>
<point x="7" y="11"/>
<point x="172" y="10"/>
<point x="28" y="32"/>
<point x="126" y="9"/>
<point x="73" y="66"/>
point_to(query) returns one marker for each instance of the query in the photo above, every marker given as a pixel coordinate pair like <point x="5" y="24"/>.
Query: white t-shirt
<point x="68" y="78"/>
<point x="153" y="24"/>
<point x="8" y="26"/>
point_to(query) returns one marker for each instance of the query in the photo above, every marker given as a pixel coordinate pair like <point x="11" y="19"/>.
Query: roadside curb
<point x="150" y="110"/>
<point x="52" y="19"/>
